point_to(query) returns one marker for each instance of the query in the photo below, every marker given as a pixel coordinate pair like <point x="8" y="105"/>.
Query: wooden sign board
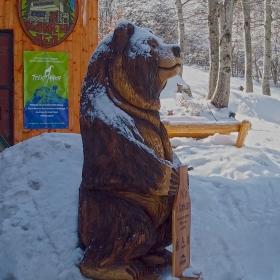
<point x="48" y="23"/>
<point x="181" y="221"/>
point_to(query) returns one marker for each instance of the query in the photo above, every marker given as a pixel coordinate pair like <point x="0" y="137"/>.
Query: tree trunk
<point x="181" y="32"/>
<point x="267" y="49"/>
<point x="274" y="70"/>
<point x="248" y="46"/>
<point x="222" y="91"/>
<point x="258" y="72"/>
<point x="213" y="28"/>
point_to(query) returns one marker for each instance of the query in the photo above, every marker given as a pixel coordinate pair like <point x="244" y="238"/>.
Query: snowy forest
<point x="230" y="38"/>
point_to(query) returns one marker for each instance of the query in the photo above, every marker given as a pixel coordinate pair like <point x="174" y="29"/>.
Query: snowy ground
<point x="235" y="194"/>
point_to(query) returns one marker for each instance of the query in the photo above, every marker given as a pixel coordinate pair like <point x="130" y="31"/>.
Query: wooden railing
<point x="204" y="129"/>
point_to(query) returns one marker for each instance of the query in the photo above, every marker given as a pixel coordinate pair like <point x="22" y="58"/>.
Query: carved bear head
<point x="135" y="64"/>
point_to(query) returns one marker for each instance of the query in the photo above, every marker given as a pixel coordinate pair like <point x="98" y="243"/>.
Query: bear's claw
<point x="118" y="271"/>
<point x="174" y="182"/>
<point x="162" y="258"/>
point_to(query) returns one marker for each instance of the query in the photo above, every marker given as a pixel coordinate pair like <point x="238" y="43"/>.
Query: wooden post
<point x="244" y="128"/>
<point x="181" y="219"/>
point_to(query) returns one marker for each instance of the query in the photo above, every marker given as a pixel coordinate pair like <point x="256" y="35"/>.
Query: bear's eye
<point x="154" y="45"/>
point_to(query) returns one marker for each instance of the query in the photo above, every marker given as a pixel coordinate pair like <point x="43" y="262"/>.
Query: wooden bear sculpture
<point x="128" y="181"/>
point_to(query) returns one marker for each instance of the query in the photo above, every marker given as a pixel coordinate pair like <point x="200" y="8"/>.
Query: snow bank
<point x="38" y="208"/>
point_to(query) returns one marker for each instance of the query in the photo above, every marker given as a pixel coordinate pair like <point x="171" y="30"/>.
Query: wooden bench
<point x="200" y="130"/>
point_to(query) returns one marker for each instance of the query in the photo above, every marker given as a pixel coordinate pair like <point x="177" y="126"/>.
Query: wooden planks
<point x="79" y="46"/>
<point x="19" y="38"/>
<point x="5" y="16"/>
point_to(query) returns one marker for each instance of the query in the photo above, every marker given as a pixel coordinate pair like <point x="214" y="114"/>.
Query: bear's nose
<point x="176" y="51"/>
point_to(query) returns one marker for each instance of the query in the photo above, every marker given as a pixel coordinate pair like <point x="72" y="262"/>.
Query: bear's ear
<point x="122" y="35"/>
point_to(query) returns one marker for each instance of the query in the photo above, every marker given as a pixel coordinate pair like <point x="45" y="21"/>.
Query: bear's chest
<point x="152" y="139"/>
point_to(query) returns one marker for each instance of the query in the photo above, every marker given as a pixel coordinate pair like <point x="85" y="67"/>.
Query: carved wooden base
<point x="162" y="273"/>
<point x="157" y="273"/>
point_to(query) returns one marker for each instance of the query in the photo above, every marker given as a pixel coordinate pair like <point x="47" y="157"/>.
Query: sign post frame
<point x="181" y="224"/>
<point x="46" y="90"/>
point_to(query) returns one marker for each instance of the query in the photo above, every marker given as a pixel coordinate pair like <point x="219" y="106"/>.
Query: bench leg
<point x="244" y="128"/>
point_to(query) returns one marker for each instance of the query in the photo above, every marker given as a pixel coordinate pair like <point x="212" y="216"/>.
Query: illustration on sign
<point x="48" y="22"/>
<point x="45" y="90"/>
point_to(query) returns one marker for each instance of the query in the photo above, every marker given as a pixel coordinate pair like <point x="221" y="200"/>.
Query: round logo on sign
<point x="48" y="22"/>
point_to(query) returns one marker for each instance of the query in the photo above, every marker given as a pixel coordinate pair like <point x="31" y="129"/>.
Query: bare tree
<point x="181" y="31"/>
<point x="213" y="28"/>
<point x="267" y="48"/>
<point x="248" y="46"/>
<point x="275" y="68"/>
<point x="160" y="16"/>
<point x="108" y="16"/>
<point x="222" y="91"/>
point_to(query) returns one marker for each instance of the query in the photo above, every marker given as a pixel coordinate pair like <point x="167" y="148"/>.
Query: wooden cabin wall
<point x="79" y="45"/>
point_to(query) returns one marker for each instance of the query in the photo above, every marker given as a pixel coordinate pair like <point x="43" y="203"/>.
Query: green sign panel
<point x="45" y="90"/>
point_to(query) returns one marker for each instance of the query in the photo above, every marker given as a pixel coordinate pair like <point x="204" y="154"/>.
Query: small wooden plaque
<point x="181" y="222"/>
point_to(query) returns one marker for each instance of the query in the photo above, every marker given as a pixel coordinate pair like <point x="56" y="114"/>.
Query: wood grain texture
<point x="164" y="273"/>
<point x="2" y="15"/>
<point x="205" y="129"/>
<point x="181" y="225"/>
<point x="128" y="180"/>
<point x="79" y="45"/>
<point x="244" y="129"/>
